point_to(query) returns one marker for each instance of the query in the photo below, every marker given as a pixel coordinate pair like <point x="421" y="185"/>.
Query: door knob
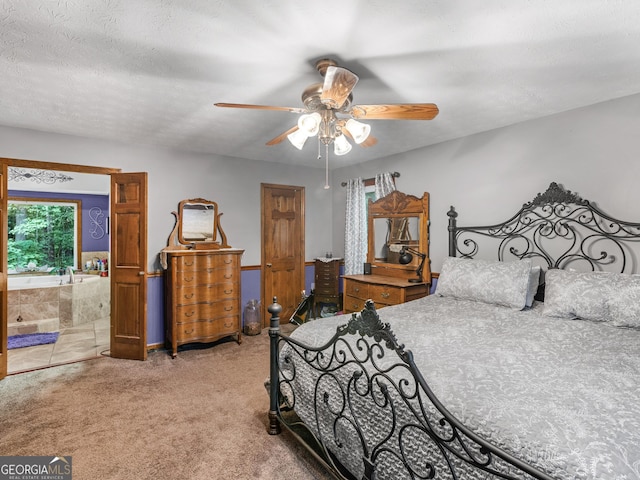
<point x="141" y="274"/>
<point x="269" y="265"/>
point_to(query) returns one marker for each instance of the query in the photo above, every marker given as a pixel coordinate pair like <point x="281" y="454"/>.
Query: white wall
<point x="593" y="151"/>
<point x="176" y="175"/>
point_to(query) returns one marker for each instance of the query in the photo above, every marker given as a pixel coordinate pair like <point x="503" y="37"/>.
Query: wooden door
<point x="3" y="270"/>
<point x="282" y="265"/>
<point x="128" y="265"/>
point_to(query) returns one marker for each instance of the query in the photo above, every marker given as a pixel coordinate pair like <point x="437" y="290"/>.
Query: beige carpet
<point x="202" y="415"/>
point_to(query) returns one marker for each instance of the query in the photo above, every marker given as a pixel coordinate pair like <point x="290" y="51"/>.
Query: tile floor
<point x="83" y="342"/>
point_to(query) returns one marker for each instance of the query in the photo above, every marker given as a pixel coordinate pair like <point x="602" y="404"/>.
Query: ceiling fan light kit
<point x="323" y="103"/>
<point x="358" y="130"/>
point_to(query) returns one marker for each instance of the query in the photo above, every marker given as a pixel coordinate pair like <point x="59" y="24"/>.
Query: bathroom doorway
<point x="58" y="299"/>
<point x="58" y="310"/>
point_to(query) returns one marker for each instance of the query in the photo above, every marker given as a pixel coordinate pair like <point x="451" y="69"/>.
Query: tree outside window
<point x="42" y="235"/>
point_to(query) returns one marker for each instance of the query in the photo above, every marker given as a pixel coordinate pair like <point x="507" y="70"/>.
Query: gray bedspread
<point x="562" y="395"/>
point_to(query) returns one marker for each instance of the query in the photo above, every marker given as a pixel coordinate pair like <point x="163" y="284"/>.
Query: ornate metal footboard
<point x="370" y="413"/>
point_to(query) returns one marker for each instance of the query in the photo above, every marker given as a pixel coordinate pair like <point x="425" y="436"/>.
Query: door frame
<point x="264" y="187"/>
<point x="34" y="164"/>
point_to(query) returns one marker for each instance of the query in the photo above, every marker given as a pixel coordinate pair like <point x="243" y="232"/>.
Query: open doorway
<point x="58" y="300"/>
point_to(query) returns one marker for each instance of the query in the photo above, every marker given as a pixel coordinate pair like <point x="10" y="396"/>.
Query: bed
<point x="483" y="379"/>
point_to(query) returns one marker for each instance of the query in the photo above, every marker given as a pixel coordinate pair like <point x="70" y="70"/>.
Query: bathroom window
<point x="43" y="235"/>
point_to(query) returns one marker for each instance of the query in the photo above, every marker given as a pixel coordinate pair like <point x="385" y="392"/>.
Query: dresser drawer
<point x="205" y="311"/>
<point x="205" y="262"/>
<point x="352" y="304"/>
<point x="383" y="294"/>
<point x="357" y="289"/>
<point x="208" y="276"/>
<point x="211" y="328"/>
<point x="188" y="295"/>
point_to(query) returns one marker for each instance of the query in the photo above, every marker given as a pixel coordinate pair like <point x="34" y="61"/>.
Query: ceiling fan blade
<point x="261" y="107"/>
<point x="408" y="111"/>
<point x="338" y="84"/>
<point x="282" y="136"/>
<point x="370" y="141"/>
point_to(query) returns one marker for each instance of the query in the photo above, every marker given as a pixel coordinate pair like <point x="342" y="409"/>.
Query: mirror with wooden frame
<point x="398" y="221"/>
<point x="198" y="225"/>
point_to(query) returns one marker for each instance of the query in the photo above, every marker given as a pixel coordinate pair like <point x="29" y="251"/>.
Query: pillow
<point x="624" y="304"/>
<point x="534" y="284"/>
<point x="596" y="296"/>
<point x="499" y="283"/>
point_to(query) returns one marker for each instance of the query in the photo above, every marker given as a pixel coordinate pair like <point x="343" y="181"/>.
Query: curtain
<point x="384" y="184"/>
<point x="355" y="237"/>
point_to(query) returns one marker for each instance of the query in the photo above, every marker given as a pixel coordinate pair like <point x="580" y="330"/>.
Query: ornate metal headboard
<point x="557" y="229"/>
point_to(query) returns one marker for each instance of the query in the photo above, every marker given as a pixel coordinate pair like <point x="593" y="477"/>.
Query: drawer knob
<point x="189" y="296"/>
<point x="384" y="295"/>
<point x="187" y="332"/>
<point x="356" y="289"/>
<point x="228" y="292"/>
<point x="190" y="314"/>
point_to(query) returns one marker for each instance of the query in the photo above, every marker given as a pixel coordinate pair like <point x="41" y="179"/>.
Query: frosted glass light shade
<point x="358" y="130"/>
<point x="341" y="146"/>
<point x="310" y="123"/>
<point x="298" y="138"/>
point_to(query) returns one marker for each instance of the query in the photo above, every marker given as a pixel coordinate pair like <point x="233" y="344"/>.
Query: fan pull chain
<point x="326" y="174"/>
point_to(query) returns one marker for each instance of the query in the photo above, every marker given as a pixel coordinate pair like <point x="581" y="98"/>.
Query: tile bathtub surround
<point x="33" y="310"/>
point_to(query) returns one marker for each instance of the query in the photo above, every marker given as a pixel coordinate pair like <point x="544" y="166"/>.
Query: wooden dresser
<point x="202" y="292"/>
<point x="382" y="289"/>
<point x="327" y="281"/>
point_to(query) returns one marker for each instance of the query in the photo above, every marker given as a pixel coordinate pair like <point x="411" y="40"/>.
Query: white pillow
<point x="624" y="304"/>
<point x="596" y="296"/>
<point x="499" y="283"/>
<point x="570" y="294"/>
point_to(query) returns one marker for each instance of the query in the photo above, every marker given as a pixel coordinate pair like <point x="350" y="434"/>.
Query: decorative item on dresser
<point x="397" y="223"/>
<point x="327" y="278"/>
<point x="202" y="281"/>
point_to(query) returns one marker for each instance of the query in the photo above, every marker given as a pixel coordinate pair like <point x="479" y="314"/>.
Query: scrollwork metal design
<point x="97" y="218"/>
<point x="372" y="413"/>
<point x="557" y="229"/>
<point x="38" y="176"/>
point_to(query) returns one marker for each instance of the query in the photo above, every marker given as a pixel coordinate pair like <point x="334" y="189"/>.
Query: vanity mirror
<point x="198" y="225"/>
<point x="398" y="252"/>
<point x="397" y="224"/>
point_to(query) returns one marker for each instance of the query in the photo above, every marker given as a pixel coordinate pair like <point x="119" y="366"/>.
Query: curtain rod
<point x="371" y="181"/>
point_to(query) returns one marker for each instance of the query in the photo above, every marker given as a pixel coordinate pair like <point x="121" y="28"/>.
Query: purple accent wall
<point x="92" y="225"/>
<point x="155" y="310"/>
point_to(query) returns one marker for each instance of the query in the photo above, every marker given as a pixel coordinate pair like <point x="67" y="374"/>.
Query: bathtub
<point x="20" y="282"/>
<point x="48" y="303"/>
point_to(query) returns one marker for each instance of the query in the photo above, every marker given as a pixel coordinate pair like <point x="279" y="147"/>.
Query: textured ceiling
<point x="148" y="72"/>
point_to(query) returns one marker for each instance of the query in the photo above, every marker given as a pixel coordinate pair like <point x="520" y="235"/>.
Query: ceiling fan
<point x="329" y="113"/>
